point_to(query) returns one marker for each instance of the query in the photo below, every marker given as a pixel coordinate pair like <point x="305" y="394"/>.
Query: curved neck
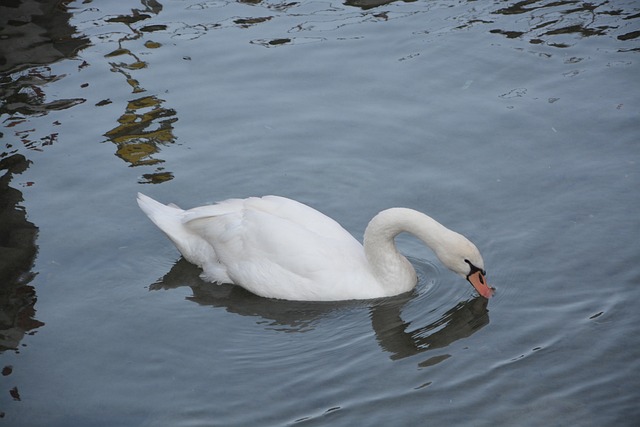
<point x="394" y="272"/>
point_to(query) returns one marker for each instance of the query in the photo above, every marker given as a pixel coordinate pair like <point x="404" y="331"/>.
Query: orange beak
<point x="478" y="282"/>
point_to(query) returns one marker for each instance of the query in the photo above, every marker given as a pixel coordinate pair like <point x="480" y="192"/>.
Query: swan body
<point x="280" y="248"/>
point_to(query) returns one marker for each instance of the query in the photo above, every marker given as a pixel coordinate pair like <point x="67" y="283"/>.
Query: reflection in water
<point x="290" y="316"/>
<point x="32" y="35"/>
<point x="35" y="33"/>
<point x="146" y="124"/>
<point x="458" y="322"/>
<point x="17" y="254"/>
<point x="39" y="33"/>
<point x="558" y="23"/>
<point x="392" y="333"/>
<point x="23" y="96"/>
<point x="370" y="4"/>
<point x="553" y="23"/>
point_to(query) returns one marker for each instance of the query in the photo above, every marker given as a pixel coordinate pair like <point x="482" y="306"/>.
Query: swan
<point x="279" y="248"/>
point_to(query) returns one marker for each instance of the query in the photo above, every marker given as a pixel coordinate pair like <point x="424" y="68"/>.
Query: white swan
<point x="279" y="248"/>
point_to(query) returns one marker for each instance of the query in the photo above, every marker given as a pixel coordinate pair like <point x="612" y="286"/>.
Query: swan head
<point x="462" y="257"/>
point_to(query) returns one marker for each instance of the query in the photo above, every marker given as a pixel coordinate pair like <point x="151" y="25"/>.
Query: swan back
<point x="271" y="246"/>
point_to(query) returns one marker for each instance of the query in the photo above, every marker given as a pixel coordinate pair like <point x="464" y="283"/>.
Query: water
<point x="513" y="123"/>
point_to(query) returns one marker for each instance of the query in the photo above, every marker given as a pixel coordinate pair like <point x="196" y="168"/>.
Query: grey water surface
<point x="516" y="123"/>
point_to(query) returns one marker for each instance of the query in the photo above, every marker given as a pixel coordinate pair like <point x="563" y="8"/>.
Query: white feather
<point x="279" y="248"/>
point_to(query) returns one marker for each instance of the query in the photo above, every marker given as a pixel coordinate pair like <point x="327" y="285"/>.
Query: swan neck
<point x="389" y="266"/>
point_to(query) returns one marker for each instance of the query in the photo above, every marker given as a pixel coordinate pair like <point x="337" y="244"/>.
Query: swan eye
<point x="474" y="269"/>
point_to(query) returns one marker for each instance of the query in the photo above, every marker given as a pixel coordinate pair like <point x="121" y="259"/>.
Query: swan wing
<point x="281" y="207"/>
<point x="276" y="247"/>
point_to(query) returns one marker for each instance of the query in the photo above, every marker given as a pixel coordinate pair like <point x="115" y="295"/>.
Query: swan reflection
<point x="394" y="335"/>
<point x="460" y="321"/>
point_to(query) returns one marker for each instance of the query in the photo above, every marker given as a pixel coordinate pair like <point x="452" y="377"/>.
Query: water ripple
<point x="430" y="317"/>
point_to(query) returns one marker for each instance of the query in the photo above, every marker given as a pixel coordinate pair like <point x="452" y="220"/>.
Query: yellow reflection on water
<point x="142" y="129"/>
<point x="146" y="125"/>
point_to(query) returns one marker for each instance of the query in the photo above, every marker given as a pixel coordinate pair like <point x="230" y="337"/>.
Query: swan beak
<point x="478" y="282"/>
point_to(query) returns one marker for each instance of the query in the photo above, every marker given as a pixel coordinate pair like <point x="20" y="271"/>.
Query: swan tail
<point x="165" y="217"/>
<point x="195" y="249"/>
<point x="168" y="218"/>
